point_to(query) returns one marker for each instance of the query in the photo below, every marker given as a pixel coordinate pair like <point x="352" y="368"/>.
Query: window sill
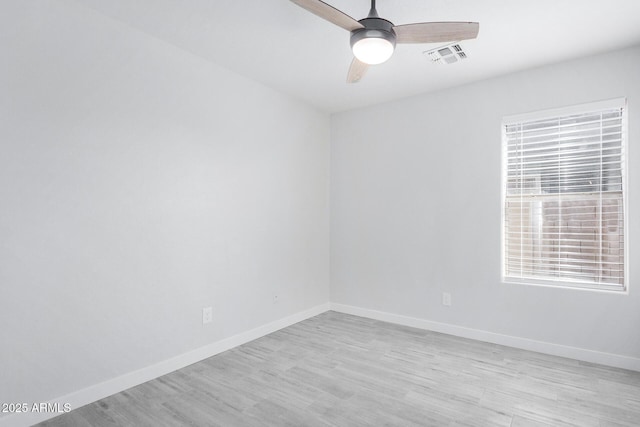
<point x="622" y="290"/>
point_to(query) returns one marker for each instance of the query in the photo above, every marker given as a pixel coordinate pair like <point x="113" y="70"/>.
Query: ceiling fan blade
<point x="436" y="32"/>
<point x="330" y="13"/>
<point x="357" y="70"/>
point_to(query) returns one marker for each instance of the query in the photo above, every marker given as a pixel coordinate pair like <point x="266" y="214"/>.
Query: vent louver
<point x="448" y="54"/>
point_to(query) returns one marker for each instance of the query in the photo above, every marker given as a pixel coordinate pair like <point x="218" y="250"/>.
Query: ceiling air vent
<point x="447" y="54"/>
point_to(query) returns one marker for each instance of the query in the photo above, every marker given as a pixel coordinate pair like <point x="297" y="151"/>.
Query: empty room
<point x="319" y="213"/>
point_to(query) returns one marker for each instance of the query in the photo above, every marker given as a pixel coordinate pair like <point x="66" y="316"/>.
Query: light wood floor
<point x="341" y="370"/>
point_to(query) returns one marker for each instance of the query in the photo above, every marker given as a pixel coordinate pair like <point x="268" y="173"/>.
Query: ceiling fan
<point x="373" y="39"/>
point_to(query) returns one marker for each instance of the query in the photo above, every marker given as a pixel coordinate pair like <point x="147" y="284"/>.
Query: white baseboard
<point x="115" y="385"/>
<point x="132" y="379"/>
<point x="614" y="360"/>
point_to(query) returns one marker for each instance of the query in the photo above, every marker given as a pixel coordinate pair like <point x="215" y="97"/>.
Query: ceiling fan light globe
<point x="373" y="50"/>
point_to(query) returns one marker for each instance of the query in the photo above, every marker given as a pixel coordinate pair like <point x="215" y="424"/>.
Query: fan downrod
<point x="373" y="13"/>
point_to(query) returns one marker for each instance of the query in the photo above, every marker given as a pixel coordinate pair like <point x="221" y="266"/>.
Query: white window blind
<point x="563" y="192"/>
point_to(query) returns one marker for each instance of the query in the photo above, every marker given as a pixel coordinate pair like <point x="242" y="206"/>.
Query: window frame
<point x="564" y="283"/>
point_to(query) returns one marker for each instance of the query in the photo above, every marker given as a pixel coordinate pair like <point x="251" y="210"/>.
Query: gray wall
<point x="139" y="184"/>
<point x="415" y="208"/>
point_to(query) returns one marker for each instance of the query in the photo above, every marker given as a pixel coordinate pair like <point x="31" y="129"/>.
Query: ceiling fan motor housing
<point x="374" y="28"/>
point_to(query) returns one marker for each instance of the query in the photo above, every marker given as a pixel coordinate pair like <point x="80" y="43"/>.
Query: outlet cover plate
<point x="446" y="299"/>
<point x="207" y="315"/>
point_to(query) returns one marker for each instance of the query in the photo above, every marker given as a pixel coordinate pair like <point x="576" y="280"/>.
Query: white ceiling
<point x="286" y="47"/>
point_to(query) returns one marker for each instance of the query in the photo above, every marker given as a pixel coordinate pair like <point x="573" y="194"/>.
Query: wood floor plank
<point x="340" y="370"/>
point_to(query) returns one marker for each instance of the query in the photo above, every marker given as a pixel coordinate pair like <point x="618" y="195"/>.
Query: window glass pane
<point x="564" y="202"/>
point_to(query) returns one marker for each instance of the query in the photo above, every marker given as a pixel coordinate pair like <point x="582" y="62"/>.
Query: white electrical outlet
<point x="446" y="299"/>
<point x="207" y="315"/>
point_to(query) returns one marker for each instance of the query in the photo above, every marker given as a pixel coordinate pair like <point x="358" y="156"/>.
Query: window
<point x="564" y="213"/>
